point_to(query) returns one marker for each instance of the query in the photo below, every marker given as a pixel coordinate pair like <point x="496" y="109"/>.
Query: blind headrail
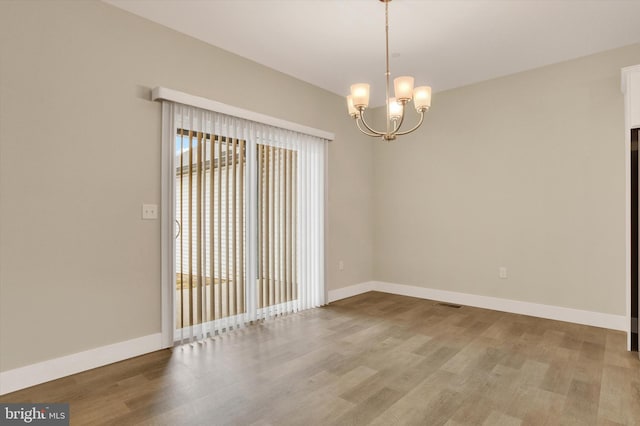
<point x="163" y="93"/>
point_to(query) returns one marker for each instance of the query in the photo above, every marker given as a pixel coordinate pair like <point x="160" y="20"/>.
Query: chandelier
<point x="358" y="100"/>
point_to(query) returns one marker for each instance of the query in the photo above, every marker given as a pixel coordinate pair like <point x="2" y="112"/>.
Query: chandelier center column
<point x="387" y="73"/>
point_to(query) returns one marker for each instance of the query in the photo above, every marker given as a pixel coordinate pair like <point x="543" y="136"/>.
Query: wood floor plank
<point x="373" y="359"/>
<point x="501" y="419"/>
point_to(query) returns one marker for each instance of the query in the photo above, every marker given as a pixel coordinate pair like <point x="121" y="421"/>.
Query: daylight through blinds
<point x="249" y="216"/>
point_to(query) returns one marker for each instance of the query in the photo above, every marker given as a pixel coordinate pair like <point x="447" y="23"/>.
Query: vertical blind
<point x="210" y="214"/>
<point x="249" y="216"/>
<point x="277" y="281"/>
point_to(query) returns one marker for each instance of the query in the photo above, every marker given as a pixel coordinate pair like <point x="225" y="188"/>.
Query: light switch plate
<point x="502" y="272"/>
<point x="149" y="211"/>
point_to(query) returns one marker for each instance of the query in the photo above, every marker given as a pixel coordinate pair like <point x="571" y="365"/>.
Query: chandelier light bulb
<point x="422" y="98"/>
<point x="395" y="109"/>
<point x="403" y="87"/>
<point x="353" y="112"/>
<point x="360" y="95"/>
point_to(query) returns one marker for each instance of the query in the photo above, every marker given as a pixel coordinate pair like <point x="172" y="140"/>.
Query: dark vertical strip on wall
<point x="634" y="240"/>
<point x="190" y="226"/>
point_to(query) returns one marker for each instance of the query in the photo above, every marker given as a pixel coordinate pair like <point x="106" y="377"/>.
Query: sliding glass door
<point x="248" y="209"/>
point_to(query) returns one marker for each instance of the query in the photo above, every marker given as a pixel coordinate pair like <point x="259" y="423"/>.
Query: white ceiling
<point x="442" y="43"/>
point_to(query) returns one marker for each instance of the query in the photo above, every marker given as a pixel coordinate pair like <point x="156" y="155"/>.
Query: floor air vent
<point x="450" y="305"/>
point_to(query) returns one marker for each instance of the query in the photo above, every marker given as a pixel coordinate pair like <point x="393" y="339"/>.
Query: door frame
<point x="167" y="224"/>
<point x="630" y="85"/>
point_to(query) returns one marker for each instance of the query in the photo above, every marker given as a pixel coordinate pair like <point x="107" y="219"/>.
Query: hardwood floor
<point x="376" y="359"/>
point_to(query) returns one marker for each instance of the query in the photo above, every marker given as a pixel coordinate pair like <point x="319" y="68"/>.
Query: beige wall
<point x="80" y="153"/>
<point x="526" y="172"/>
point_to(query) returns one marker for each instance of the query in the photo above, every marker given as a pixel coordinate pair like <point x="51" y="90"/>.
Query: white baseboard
<point x="34" y="374"/>
<point x="596" y="319"/>
<point x="352" y="290"/>
<point x="30" y="375"/>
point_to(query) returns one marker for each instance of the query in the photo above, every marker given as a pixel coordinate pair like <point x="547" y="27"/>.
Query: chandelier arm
<point x="395" y="130"/>
<point x="367" y="126"/>
<point x="415" y="127"/>
<point x="375" y="135"/>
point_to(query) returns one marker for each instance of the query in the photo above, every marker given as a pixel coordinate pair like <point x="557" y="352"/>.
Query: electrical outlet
<point x="340" y="265"/>
<point x="149" y="211"/>
<point x="502" y="272"/>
